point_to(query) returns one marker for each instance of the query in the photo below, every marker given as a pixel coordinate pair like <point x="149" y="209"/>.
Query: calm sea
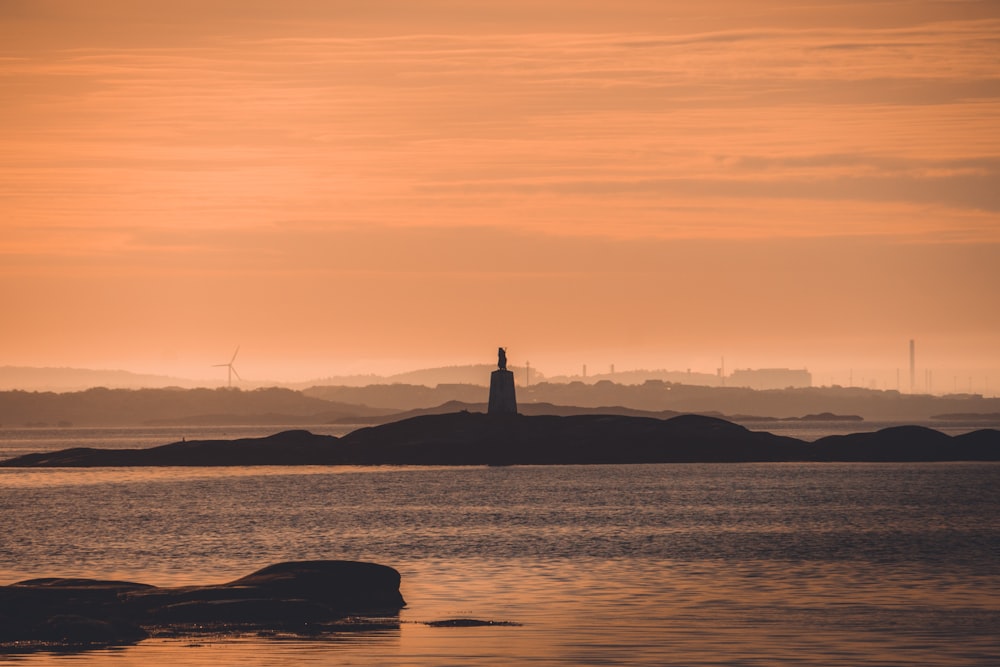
<point x="725" y="564"/>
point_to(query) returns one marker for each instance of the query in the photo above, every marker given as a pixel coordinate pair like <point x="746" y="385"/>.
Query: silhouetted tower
<point x="502" y="398"/>
<point x="913" y="368"/>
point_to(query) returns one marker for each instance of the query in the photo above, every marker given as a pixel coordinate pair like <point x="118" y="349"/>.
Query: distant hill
<point x="479" y="374"/>
<point x="323" y="403"/>
<point x="638" y="376"/>
<point x="472" y="374"/>
<point x="653" y="396"/>
<point x="401" y="397"/>
<point x="128" y="407"/>
<point x="76" y="379"/>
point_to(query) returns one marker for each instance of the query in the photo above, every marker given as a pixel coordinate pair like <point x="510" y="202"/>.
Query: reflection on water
<point x="753" y="564"/>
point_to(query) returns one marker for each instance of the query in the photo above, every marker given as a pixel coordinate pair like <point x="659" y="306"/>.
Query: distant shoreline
<point x="377" y="404"/>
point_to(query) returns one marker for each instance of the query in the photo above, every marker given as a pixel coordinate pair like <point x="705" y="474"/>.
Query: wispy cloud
<point x="242" y="131"/>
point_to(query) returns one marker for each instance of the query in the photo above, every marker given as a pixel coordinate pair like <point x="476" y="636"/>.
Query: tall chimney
<point x="913" y="368"/>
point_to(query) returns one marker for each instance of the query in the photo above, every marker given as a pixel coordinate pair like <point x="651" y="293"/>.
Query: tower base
<point x="502" y="398"/>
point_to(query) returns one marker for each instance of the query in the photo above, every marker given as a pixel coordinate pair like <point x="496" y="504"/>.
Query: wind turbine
<point x="230" y="367"/>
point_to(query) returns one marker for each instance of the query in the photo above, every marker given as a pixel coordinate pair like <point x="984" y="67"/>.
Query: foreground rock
<point x="299" y="597"/>
<point x="465" y="438"/>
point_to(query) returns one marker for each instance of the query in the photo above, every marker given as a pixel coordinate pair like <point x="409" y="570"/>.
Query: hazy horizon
<point x="938" y="381"/>
<point x="342" y="189"/>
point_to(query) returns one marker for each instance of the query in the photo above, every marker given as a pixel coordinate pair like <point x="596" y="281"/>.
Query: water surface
<point x="687" y="564"/>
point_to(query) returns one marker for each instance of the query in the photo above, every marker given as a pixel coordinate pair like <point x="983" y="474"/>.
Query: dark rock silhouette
<point x="976" y="441"/>
<point x="466" y="438"/>
<point x="969" y="416"/>
<point x="304" y="597"/>
<point x="67" y="611"/>
<point x="909" y="443"/>
<point x="826" y="417"/>
<point x="468" y="623"/>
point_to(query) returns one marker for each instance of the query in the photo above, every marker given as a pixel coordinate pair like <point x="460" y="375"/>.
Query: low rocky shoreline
<point x="468" y="438"/>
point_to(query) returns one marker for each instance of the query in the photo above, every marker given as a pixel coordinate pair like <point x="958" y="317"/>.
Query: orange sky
<point x="341" y="187"/>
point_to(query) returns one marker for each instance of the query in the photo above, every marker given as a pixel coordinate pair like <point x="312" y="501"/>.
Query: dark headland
<point x="467" y="438"/>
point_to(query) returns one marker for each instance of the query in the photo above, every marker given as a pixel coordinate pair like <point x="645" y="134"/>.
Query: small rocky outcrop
<point x="298" y="597"/>
<point x="897" y="443"/>
<point x="469" y="623"/>
<point x="826" y="417"/>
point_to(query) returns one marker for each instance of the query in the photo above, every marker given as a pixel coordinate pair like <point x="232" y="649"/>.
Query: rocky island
<point x="467" y="438"/>
<point x="304" y="598"/>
